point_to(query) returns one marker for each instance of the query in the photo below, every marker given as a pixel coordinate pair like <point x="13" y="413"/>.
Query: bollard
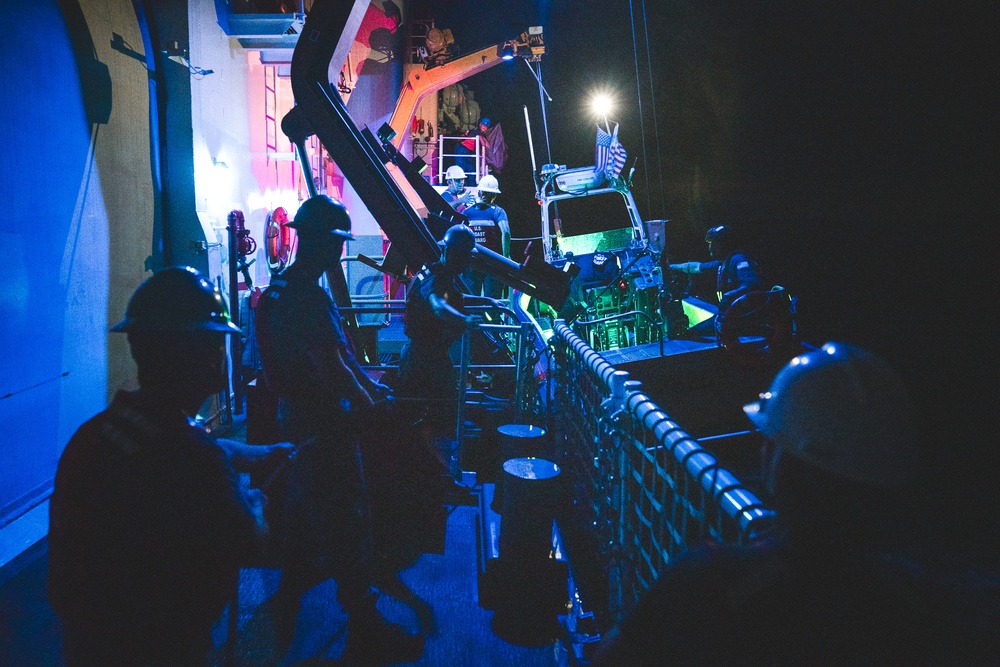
<point x="535" y="582"/>
<point x="516" y="441"/>
<point x="521" y="440"/>
<point x="530" y="491"/>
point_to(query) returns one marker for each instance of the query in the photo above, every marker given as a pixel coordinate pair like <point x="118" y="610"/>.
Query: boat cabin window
<point x="594" y="223"/>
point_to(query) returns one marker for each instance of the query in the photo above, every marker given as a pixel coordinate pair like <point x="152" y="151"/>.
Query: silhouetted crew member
<point x="148" y="524"/>
<point x="435" y="321"/>
<point x="736" y="272"/>
<point x="489" y="223"/>
<point x="457" y="195"/>
<point x="831" y="587"/>
<point x="324" y="396"/>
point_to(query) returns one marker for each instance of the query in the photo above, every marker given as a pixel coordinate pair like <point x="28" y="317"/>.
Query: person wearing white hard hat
<point x="835" y="582"/>
<point x="843" y="411"/>
<point x="489" y="223"/>
<point x="457" y="195"/>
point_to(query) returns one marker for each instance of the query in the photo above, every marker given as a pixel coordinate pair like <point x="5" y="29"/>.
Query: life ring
<point x="278" y="240"/>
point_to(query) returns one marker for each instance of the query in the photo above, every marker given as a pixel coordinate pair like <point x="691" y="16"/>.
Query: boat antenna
<point x="542" y="96"/>
<point x="652" y="101"/>
<point x="531" y="149"/>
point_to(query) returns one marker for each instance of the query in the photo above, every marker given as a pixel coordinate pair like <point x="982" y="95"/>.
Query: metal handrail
<point x="648" y="413"/>
<point x="619" y="316"/>
<point x="371" y="310"/>
<point x="479" y="156"/>
<point x="654" y="489"/>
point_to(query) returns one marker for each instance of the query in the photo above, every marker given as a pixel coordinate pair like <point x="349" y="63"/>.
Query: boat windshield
<point x="598" y="222"/>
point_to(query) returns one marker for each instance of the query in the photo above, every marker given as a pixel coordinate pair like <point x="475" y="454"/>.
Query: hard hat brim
<point x="126" y="326"/>
<point x="342" y="233"/>
<point x="755" y="413"/>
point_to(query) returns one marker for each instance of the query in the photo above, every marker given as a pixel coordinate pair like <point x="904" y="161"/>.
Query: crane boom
<point x="422" y="81"/>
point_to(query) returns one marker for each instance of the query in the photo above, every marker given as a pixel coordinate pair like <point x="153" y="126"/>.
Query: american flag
<point x="609" y="154"/>
<point x="602" y="149"/>
<point x="616" y="157"/>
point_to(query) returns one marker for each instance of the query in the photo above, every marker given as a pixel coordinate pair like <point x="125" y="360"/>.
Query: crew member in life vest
<point x="736" y="273"/>
<point x="489" y="223"/>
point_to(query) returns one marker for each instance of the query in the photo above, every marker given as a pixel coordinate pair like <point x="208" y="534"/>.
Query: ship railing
<point x="646" y="488"/>
<point x="502" y="327"/>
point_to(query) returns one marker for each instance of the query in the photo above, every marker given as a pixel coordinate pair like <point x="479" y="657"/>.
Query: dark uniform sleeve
<point x="690" y="615"/>
<point x="70" y="525"/>
<point x="301" y="337"/>
<point x="225" y="532"/>
<point x="148" y="530"/>
<point x="321" y="325"/>
<point x="709" y="267"/>
<point x="227" y="499"/>
<point x="746" y="279"/>
<point x="422" y="325"/>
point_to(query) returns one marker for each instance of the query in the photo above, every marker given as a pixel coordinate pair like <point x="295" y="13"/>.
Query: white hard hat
<point x="454" y="173"/>
<point x="844" y="411"/>
<point x="489" y="183"/>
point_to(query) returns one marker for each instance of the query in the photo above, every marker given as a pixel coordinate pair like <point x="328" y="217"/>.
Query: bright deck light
<point x="601" y="104"/>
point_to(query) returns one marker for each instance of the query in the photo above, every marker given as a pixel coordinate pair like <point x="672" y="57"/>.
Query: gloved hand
<point x="255" y="458"/>
<point x="384" y="401"/>
<point x="473" y="321"/>
<point x="257" y="500"/>
<point x="280" y="450"/>
<point x="687" y="267"/>
<point x="380" y="392"/>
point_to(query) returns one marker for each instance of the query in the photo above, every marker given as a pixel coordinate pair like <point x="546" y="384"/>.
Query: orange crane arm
<point x="421" y="82"/>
